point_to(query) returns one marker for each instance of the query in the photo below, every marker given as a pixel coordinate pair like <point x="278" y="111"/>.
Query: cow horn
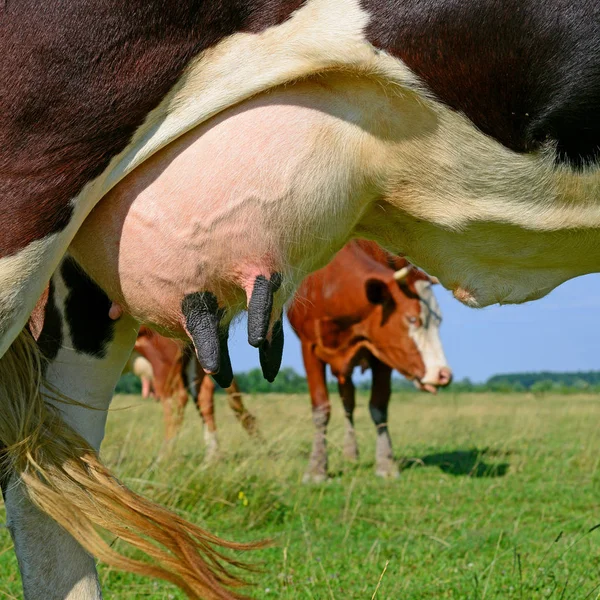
<point x="402" y="273"/>
<point x="434" y="280"/>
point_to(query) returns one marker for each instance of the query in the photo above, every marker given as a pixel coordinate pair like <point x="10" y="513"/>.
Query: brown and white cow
<point x="462" y="135"/>
<point x="369" y="309"/>
<point x="175" y="373"/>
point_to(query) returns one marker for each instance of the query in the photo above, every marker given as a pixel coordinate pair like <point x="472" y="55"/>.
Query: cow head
<point x="403" y="328"/>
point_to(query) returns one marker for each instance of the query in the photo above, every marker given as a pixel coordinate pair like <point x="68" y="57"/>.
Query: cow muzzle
<point x="442" y="379"/>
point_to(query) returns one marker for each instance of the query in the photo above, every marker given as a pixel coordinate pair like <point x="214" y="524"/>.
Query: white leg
<point x="53" y="565"/>
<point x="211" y="442"/>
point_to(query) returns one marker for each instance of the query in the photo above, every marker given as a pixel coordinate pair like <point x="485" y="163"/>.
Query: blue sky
<point x="557" y="333"/>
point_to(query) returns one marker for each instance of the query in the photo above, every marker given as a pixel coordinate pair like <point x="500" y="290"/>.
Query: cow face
<point x="404" y="328"/>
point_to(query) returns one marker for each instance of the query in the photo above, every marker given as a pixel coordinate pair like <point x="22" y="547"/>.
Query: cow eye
<point x="412" y="320"/>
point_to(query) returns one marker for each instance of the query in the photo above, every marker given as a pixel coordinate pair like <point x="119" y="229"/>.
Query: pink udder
<point x="203" y="214"/>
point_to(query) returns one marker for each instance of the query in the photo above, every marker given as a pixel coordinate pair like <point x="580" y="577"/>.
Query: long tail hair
<point x="65" y="479"/>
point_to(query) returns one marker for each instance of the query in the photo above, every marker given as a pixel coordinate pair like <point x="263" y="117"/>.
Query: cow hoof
<point x="389" y="471"/>
<point x="314" y="477"/>
<point x="212" y="454"/>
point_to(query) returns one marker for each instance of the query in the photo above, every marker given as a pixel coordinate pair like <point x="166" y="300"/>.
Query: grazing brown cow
<point x="371" y="309"/>
<point x="175" y="370"/>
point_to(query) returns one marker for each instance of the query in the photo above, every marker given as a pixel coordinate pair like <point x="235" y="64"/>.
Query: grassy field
<point x="498" y="498"/>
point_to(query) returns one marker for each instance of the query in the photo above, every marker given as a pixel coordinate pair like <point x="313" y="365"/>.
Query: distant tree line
<point x="290" y="382"/>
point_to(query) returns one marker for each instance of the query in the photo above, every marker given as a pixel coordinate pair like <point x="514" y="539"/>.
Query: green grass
<point x="498" y="498"/>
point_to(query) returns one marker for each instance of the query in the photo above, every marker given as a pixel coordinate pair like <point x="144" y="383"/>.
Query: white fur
<point x="427" y="335"/>
<point x="141" y="367"/>
<point x="211" y="441"/>
<point x="499" y="226"/>
<point x="53" y="565"/>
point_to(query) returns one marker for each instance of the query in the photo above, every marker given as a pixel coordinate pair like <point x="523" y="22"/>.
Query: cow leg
<point x="242" y="414"/>
<point x="86" y="353"/>
<point x="321" y="410"/>
<point x="378" y="407"/>
<point x="202" y="389"/>
<point x="173" y="407"/>
<point x="347" y="393"/>
<point x="146" y="386"/>
<point x="206" y="408"/>
<point x="170" y="387"/>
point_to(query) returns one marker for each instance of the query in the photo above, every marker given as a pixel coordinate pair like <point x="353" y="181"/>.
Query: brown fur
<point x="169" y="359"/>
<point x="78" y="80"/>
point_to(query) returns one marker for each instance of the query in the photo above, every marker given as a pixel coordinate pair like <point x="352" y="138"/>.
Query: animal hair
<point x="65" y="479"/>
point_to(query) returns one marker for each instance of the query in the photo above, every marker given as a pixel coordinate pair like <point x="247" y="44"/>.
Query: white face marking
<point x="427" y="335"/>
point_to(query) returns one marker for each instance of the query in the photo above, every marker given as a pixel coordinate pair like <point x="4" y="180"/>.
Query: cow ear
<point x="377" y="291"/>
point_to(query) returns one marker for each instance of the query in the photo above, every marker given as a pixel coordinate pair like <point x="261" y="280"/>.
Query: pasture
<point x="498" y="498"/>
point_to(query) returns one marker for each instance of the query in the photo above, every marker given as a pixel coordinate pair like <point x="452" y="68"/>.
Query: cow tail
<point x="65" y="479"/>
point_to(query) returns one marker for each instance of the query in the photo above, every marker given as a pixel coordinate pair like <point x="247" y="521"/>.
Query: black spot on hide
<point x="50" y="339"/>
<point x="86" y="311"/>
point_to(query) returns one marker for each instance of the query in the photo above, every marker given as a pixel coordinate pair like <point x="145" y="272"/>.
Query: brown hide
<point x="353" y="308"/>
<point x="169" y="360"/>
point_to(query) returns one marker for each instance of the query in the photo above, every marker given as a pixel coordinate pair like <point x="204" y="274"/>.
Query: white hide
<point x="427" y="335"/>
<point x="53" y="565"/>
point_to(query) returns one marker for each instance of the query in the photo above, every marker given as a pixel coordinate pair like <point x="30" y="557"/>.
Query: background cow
<point x="371" y="309"/>
<point x="175" y="374"/>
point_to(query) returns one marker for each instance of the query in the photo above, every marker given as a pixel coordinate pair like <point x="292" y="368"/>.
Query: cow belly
<point x="256" y="191"/>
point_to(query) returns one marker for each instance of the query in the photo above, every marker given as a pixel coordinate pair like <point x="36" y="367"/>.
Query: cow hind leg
<point x="385" y="465"/>
<point x="173" y="407"/>
<point x="242" y="414"/>
<point x="348" y="395"/>
<point x="321" y="410"/>
<point x="206" y="408"/>
<point x="50" y="459"/>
